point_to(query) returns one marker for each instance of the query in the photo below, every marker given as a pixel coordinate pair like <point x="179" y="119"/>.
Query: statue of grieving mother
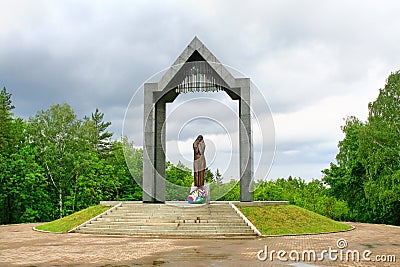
<point x="199" y="163"/>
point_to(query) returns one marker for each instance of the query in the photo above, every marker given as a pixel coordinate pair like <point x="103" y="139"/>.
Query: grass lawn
<point x="69" y="222"/>
<point x="289" y="219"/>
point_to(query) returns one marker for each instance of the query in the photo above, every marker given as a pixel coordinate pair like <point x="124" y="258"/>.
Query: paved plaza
<point x="21" y="246"/>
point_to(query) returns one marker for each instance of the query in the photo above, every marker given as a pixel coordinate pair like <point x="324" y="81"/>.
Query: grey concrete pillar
<point x="160" y="152"/>
<point x="154" y="183"/>
<point x="148" y="143"/>
<point x="245" y="146"/>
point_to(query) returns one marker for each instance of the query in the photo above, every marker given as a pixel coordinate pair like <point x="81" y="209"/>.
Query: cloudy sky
<point x="315" y="62"/>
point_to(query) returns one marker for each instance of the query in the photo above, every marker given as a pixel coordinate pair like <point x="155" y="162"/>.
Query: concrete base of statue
<point x="206" y="187"/>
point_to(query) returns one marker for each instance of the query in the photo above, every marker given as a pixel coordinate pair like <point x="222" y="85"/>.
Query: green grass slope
<point x="69" y="222"/>
<point x="290" y="219"/>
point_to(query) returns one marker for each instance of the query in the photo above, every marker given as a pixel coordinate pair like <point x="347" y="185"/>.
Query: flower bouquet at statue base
<point x="197" y="196"/>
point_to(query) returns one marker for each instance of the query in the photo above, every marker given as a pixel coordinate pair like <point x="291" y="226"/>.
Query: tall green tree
<point x="380" y="140"/>
<point x="208" y="176"/>
<point x="380" y="153"/>
<point x="218" y="177"/>
<point x="6" y="118"/>
<point x="27" y="189"/>
<point x="6" y="151"/>
<point x="367" y="172"/>
<point x="63" y="145"/>
<point x="99" y="134"/>
<point x="96" y="183"/>
<point x="347" y="177"/>
<point x="23" y="191"/>
<point x="127" y="161"/>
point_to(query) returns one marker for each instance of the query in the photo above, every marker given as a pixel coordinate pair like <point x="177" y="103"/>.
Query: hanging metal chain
<point x="199" y="77"/>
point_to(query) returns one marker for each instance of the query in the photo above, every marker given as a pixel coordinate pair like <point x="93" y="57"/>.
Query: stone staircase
<point x="160" y="220"/>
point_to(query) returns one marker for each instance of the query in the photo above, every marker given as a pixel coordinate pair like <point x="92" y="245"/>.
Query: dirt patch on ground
<point x="21" y="246"/>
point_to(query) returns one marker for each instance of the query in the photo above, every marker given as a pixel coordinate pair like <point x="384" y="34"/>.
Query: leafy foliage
<point x="313" y="196"/>
<point x="367" y="172"/>
<point x="179" y="179"/>
<point x="56" y="164"/>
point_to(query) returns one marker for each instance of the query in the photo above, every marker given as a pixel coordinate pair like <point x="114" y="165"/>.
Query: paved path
<point x="21" y="246"/>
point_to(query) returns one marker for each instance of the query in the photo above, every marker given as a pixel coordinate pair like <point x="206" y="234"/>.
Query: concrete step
<point x="145" y="228"/>
<point x="168" y="207"/>
<point x="168" y="212"/>
<point x="164" y="231"/>
<point x="168" y="227"/>
<point x="179" y="210"/>
<point x="173" y="234"/>
<point x="163" y="213"/>
<point x="175" y="213"/>
<point x="188" y="224"/>
<point x="220" y="217"/>
<point x="165" y="206"/>
<point x="157" y="220"/>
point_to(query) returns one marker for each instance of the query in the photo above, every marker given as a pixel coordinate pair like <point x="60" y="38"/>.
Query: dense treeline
<point x="314" y="196"/>
<point x="367" y="170"/>
<point x="54" y="164"/>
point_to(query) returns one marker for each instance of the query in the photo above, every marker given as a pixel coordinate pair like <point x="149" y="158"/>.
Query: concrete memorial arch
<point x="195" y="70"/>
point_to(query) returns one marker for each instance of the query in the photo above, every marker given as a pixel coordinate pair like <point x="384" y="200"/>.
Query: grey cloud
<point x="302" y="153"/>
<point x="97" y="54"/>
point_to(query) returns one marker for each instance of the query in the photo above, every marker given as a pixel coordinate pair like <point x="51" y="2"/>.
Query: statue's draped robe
<point x="199" y="163"/>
